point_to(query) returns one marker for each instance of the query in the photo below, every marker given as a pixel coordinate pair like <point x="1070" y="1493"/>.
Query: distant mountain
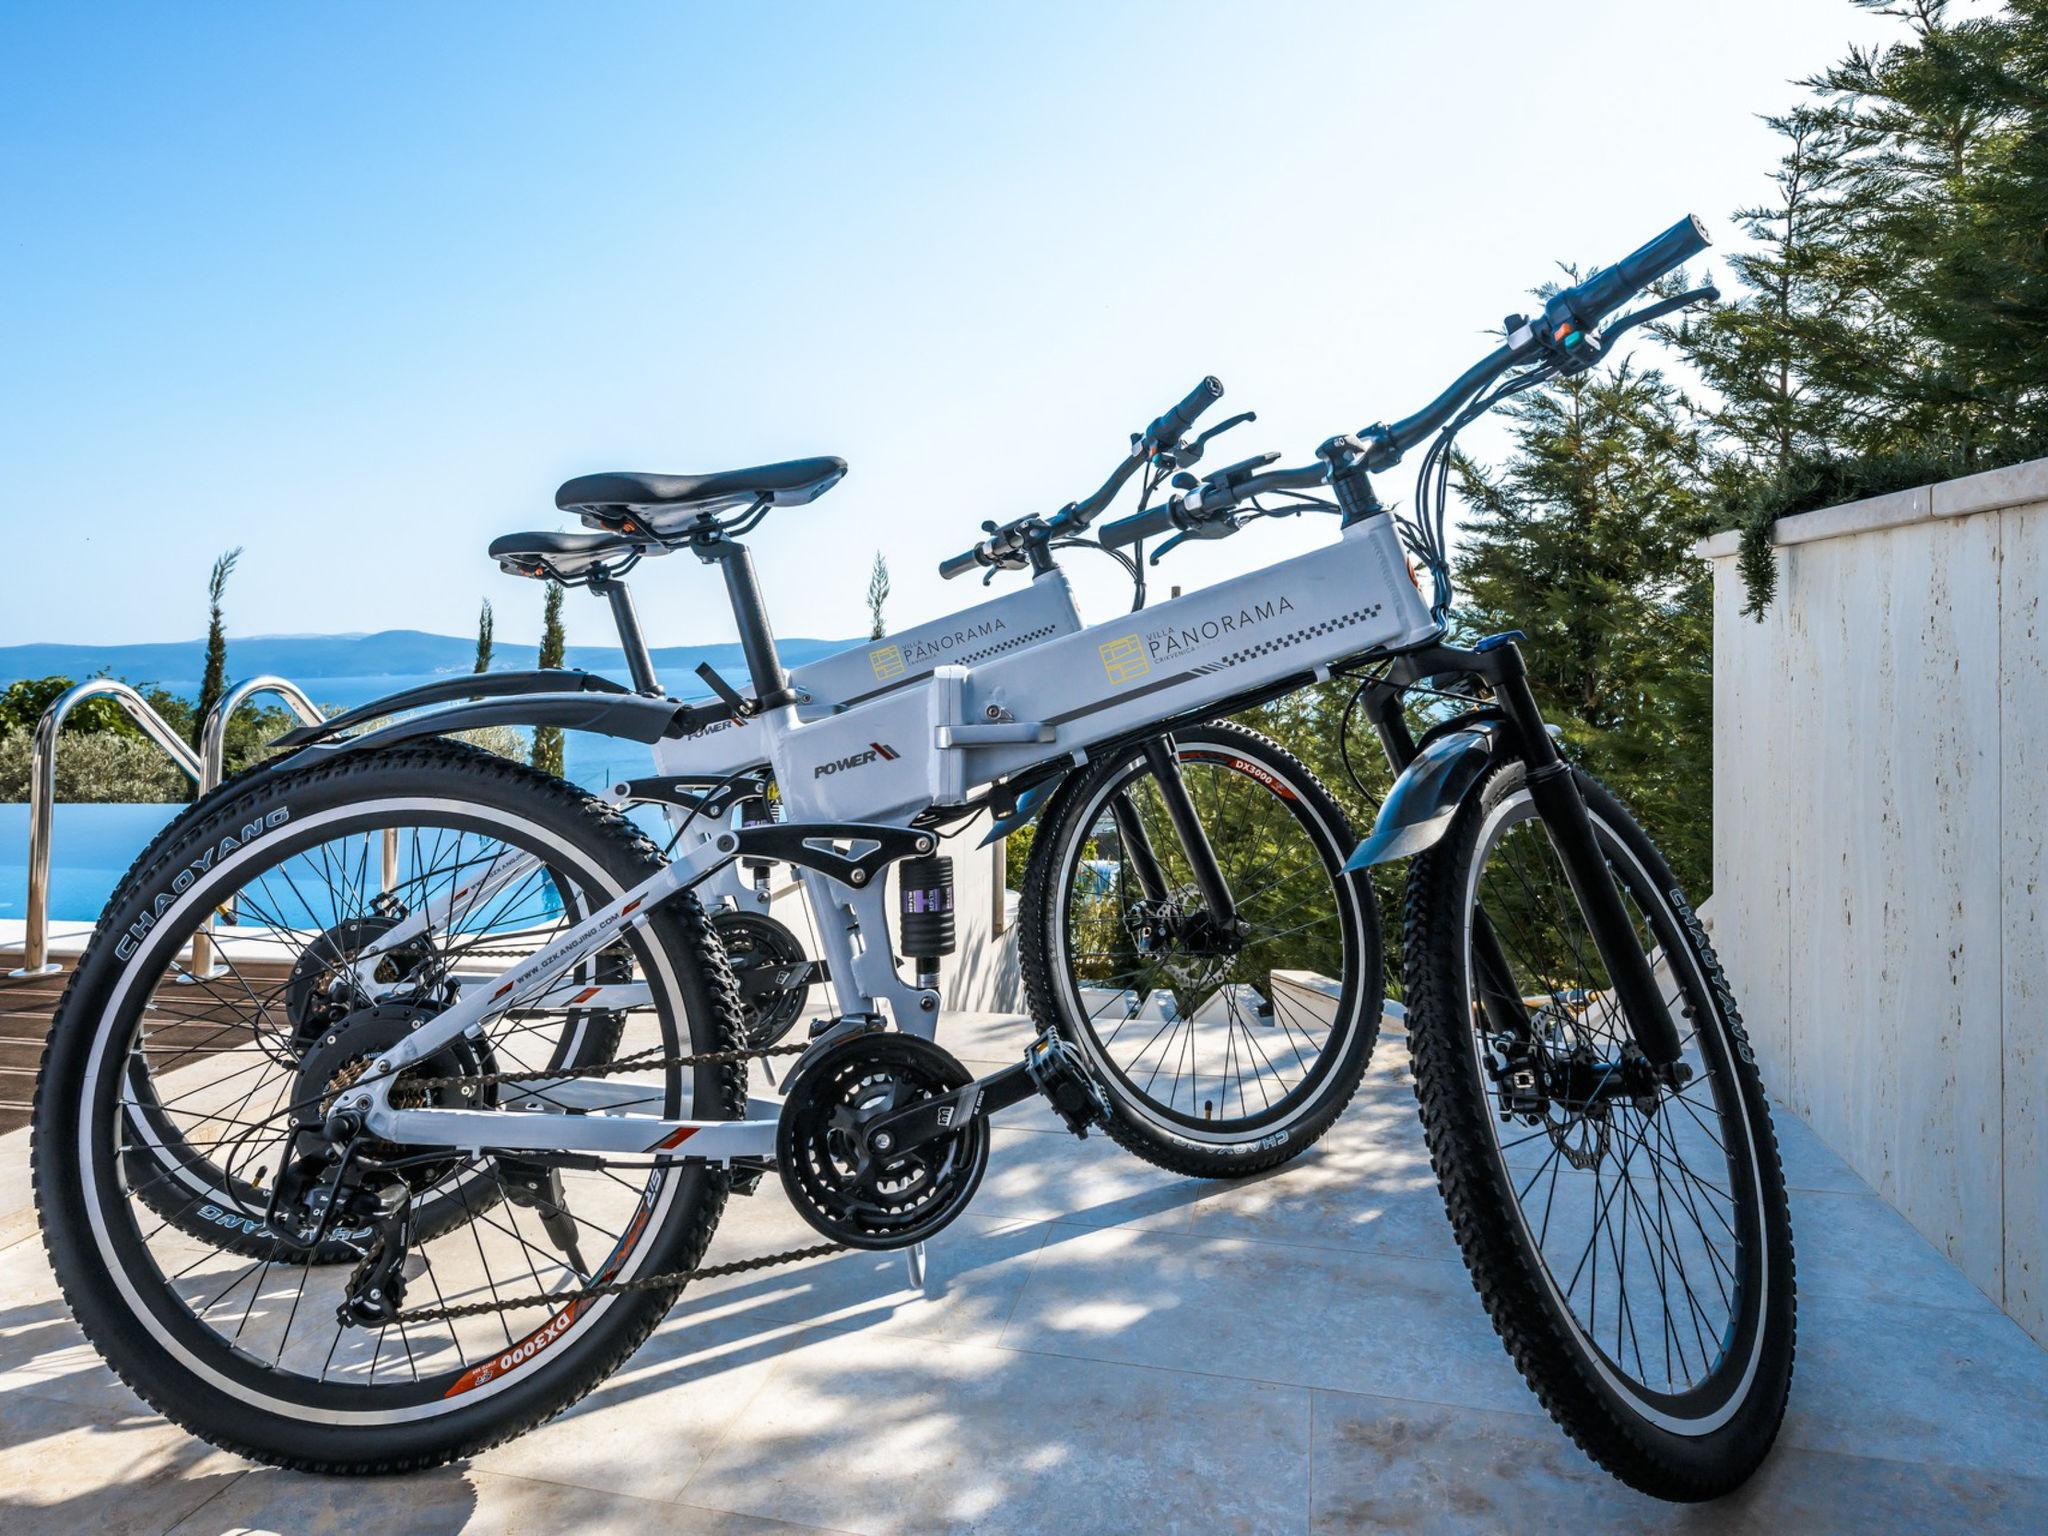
<point x="395" y="653"/>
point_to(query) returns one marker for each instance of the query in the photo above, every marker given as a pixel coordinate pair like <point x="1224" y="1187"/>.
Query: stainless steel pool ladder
<point x="204" y="769"/>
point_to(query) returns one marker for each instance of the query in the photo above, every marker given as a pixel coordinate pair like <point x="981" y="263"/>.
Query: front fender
<point x="1418" y="809"/>
<point x="1030" y="804"/>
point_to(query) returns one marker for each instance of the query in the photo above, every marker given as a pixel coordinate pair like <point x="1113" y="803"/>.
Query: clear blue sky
<point x="356" y="286"/>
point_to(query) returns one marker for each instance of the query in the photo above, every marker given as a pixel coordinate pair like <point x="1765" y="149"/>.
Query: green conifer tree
<point x="213" y="682"/>
<point x="554" y="646"/>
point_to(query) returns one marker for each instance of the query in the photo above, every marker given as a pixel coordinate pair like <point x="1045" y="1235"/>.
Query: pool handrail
<point x="203" y="768"/>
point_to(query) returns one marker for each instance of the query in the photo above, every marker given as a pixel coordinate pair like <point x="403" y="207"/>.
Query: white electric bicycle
<point x="478" y="1153"/>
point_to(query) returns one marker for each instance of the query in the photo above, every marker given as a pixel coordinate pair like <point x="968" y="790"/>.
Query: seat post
<point x="639" y="664"/>
<point x="757" y="640"/>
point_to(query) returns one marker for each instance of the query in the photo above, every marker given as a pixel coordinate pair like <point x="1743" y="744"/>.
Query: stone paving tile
<point x="1919" y="1384"/>
<point x="1808" y="1161"/>
<point x="853" y="1431"/>
<point x="646" y="1429"/>
<point x="1312" y="1317"/>
<point x="41" y="1350"/>
<point x="1858" y="1247"/>
<point x="450" y="1500"/>
<point x="1367" y="1184"/>
<point x="974" y="1273"/>
<point x="1092" y="1183"/>
<point x="1385" y="1464"/>
<point x="65" y="1468"/>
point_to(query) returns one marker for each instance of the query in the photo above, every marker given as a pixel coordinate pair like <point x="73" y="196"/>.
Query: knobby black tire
<point x="1456" y="1105"/>
<point x="1041" y="944"/>
<point x="708" y="1004"/>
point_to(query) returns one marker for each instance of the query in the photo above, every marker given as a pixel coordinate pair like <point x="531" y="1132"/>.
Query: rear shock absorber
<point x="924" y="919"/>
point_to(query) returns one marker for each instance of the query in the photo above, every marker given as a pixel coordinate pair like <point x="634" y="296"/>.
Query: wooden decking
<point x="25" y="1009"/>
<point x="27" y="1003"/>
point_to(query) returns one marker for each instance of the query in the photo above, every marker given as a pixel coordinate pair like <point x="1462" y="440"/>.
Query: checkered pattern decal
<point x="1029" y="637"/>
<point x="1293" y="638"/>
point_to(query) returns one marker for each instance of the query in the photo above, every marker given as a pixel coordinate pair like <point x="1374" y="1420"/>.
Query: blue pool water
<point x="91" y="846"/>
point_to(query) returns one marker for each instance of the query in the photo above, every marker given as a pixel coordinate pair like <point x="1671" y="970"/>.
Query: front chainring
<point x="842" y="1186"/>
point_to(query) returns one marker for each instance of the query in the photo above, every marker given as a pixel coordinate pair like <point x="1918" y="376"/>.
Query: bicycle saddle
<point x="566" y="557"/>
<point x="607" y="499"/>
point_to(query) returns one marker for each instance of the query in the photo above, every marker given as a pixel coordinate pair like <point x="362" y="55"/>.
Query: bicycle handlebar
<point x="1139" y="525"/>
<point x="1606" y="290"/>
<point x="961" y="564"/>
<point x="1168" y="427"/>
<point x="1009" y="542"/>
<point x="1576" y="309"/>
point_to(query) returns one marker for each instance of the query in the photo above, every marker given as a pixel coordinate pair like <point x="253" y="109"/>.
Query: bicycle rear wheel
<point x="237" y="1337"/>
<point x="1629" y="1235"/>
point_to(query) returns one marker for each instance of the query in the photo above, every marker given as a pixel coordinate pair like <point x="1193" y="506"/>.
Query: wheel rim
<point x="262" y="1328"/>
<point x="1212" y="1044"/>
<point x="1642" y="1213"/>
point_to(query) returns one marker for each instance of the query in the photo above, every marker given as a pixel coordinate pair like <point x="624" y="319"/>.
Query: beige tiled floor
<point x="1108" y="1348"/>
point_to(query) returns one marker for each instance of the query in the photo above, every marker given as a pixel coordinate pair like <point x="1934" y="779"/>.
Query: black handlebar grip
<point x="1139" y="525"/>
<point x="960" y="565"/>
<point x="1166" y="430"/>
<point x="1611" y="286"/>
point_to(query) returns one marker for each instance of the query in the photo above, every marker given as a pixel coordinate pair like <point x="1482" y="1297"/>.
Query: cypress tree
<point x="878" y="594"/>
<point x="213" y="682"/>
<point x="483" y="638"/>
<point x="554" y="645"/>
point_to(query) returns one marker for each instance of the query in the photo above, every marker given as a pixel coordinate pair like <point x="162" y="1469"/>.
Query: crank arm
<point x="1049" y="1067"/>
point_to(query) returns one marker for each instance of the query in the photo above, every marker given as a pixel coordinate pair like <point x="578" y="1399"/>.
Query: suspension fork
<point x="1136" y="843"/>
<point x="1499" y="998"/>
<point x="1164" y="762"/>
<point x="1555" y="791"/>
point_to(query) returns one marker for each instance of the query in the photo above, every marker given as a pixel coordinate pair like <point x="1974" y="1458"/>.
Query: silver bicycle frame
<point x="885" y="761"/>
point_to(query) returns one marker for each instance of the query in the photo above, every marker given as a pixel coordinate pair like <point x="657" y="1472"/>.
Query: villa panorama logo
<point x="1175" y="639"/>
<point x="894" y="660"/>
<point x="181" y="882"/>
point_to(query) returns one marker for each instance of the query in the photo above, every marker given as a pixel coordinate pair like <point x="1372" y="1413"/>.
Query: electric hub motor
<point x="843" y="1181"/>
<point x="322" y="989"/>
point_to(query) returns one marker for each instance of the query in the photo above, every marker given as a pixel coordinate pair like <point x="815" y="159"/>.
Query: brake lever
<point x="1221" y="527"/>
<point x="1703" y="295"/>
<point x="1185" y="454"/>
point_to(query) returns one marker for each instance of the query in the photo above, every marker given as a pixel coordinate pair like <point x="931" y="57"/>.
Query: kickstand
<point x="913" y="1267"/>
<point x="768" y="1071"/>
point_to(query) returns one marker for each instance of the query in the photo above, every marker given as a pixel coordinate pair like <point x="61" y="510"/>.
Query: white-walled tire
<point x="1216" y="1065"/>
<point x="421" y="1397"/>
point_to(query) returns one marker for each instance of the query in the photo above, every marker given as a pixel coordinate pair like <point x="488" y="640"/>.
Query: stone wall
<point x="1880" y="879"/>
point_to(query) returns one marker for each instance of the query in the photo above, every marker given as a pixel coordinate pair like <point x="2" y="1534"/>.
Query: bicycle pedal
<point x="1076" y="1097"/>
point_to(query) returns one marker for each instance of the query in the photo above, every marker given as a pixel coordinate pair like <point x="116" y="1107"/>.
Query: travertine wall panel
<point x="1881" y="793"/>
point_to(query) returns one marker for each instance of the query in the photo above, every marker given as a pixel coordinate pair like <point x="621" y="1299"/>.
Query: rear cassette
<point x="844" y="1186"/>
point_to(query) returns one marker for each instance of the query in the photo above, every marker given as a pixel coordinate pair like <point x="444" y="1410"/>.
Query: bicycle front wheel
<point x="1225" y="1048"/>
<point x="1628" y="1232"/>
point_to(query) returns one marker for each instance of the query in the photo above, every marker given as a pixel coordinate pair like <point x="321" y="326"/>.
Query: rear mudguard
<point x="629" y="716"/>
<point x="1418" y="809"/>
<point x="484" y="685"/>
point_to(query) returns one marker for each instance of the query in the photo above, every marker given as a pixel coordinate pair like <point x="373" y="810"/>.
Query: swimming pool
<point x="91" y="847"/>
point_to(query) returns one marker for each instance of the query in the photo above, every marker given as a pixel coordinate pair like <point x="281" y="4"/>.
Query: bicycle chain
<point x="660" y="1282"/>
<point x="653" y="1057"/>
